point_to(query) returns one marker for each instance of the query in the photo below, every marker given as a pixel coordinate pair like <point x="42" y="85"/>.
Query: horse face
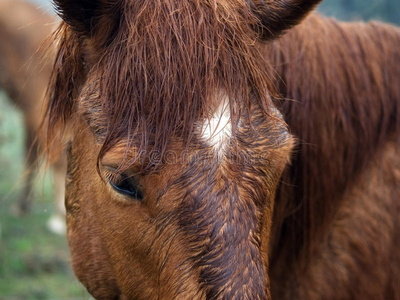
<point x="196" y="227"/>
<point x="193" y="220"/>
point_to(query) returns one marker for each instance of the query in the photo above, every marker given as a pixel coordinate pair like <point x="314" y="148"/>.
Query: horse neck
<point x="342" y="101"/>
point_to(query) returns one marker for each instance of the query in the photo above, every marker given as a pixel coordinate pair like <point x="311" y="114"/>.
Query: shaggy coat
<point x="292" y="194"/>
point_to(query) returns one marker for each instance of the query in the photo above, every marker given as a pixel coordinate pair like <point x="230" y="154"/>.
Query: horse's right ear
<point x="83" y="16"/>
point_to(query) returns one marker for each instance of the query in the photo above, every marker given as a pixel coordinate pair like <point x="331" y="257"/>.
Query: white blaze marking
<point x="218" y="129"/>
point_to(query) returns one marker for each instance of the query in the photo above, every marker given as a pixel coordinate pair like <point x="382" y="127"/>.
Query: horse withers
<point x="213" y="155"/>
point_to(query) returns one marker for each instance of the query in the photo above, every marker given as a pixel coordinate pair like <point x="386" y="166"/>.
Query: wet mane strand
<point x="160" y="71"/>
<point x="344" y="79"/>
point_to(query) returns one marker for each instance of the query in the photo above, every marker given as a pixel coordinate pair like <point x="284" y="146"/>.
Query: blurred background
<point x="34" y="258"/>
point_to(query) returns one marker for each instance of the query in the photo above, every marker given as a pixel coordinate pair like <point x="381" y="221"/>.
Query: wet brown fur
<point x="145" y="100"/>
<point x="341" y="82"/>
<point x="203" y="230"/>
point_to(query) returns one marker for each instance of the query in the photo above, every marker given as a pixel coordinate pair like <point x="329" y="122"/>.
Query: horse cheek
<point x="89" y="257"/>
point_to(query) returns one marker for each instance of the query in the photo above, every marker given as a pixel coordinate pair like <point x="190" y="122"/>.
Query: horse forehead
<point x="213" y="132"/>
<point x="216" y="130"/>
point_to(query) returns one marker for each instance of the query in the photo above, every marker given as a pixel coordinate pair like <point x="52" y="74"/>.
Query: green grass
<point x="34" y="263"/>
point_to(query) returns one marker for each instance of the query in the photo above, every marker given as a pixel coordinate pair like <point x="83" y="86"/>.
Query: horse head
<point x="175" y="148"/>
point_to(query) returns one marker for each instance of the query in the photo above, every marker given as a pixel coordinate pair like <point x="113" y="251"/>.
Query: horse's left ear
<point x="84" y="15"/>
<point x="280" y="15"/>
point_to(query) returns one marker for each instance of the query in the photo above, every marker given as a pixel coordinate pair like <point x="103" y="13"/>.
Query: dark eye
<point x="127" y="186"/>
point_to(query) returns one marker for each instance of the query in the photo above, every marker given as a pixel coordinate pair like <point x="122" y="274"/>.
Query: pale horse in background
<point x="24" y="72"/>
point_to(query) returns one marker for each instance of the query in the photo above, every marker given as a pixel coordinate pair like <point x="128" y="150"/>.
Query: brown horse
<point x="24" y="75"/>
<point x="210" y="156"/>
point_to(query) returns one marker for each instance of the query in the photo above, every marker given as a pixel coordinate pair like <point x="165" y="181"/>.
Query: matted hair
<point x="344" y="79"/>
<point x="159" y="68"/>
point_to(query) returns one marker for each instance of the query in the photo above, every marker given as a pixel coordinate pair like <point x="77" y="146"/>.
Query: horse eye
<point x="127" y="186"/>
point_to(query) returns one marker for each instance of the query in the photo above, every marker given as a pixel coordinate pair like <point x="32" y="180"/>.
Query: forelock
<point x="166" y="62"/>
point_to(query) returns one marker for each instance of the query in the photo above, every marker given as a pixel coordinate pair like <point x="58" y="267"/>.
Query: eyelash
<point x="124" y="185"/>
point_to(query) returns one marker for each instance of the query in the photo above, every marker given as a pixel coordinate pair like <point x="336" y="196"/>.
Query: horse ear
<point x="81" y="15"/>
<point x="280" y="15"/>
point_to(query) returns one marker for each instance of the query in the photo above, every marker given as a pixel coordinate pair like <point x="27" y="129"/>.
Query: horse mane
<point x="158" y="70"/>
<point x="343" y="103"/>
